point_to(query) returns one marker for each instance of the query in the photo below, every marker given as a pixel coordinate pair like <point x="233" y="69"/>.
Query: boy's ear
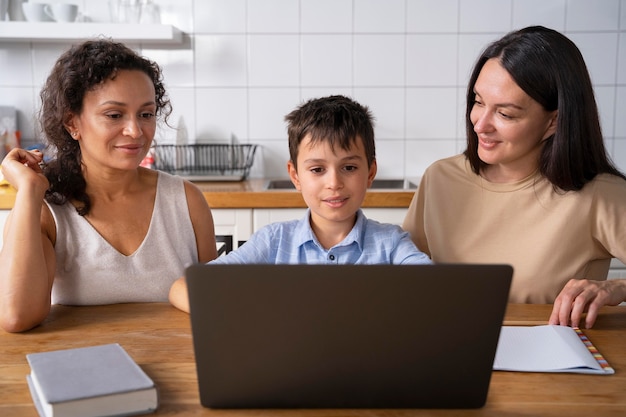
<point x="372" y="173"/>
<point x="293" y="175"/>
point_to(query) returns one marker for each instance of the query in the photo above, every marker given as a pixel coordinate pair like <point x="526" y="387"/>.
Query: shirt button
<point x="331" y="257"/>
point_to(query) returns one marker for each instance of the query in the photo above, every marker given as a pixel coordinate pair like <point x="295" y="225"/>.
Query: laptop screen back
<point x="346" y="336"/>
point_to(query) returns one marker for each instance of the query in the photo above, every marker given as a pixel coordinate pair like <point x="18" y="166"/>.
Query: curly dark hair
<point x="79" y="70"/>
<point x="550" y="68"/>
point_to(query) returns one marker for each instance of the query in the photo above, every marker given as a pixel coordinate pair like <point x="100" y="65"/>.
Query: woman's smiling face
<point x="510" y="125"/>
<point x="117" y="123"/>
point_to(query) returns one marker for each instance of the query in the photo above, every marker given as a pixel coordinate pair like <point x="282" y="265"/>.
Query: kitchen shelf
<point x="62" y="32"/>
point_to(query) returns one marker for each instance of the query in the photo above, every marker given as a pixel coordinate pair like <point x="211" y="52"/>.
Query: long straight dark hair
<point x="550" y="68"/>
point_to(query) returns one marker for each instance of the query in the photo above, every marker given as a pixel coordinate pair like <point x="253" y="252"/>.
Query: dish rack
<point x="206" y="162"/>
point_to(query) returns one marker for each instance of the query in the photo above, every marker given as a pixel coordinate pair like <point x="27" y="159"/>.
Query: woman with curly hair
<point x="91" y="226"/>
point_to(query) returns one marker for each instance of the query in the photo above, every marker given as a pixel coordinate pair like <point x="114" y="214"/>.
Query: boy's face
<point x="333" y="184"/>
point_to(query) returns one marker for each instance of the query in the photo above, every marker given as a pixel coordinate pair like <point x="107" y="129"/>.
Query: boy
<point x="333" y="162"/>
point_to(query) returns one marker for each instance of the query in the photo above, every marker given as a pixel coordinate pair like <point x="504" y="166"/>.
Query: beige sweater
<point x="548" y="237"/>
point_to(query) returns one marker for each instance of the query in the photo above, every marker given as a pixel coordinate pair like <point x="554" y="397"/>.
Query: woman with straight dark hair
<point x="535" y="187"/>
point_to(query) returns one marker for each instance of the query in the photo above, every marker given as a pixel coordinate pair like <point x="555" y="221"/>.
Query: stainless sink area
<point x="378" y="184"/>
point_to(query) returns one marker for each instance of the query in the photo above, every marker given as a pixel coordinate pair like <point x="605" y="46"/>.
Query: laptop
<point x="346" y="336"/>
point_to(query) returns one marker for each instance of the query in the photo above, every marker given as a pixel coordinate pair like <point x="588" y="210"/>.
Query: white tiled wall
<point x="246" y="63"/>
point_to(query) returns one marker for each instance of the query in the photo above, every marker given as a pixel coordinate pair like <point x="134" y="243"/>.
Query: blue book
<point x="90" y="381"/>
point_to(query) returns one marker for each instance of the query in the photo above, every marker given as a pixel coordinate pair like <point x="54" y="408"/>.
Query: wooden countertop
<point x="253" y="194"/>
<point x="158" y="337"/>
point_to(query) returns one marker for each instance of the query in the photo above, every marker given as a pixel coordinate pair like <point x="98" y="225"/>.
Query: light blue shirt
<point x="293" y="242"/>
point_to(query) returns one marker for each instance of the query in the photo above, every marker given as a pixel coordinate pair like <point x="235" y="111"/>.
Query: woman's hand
<point x="21" y="169"/>
<point x="586" y="296"/>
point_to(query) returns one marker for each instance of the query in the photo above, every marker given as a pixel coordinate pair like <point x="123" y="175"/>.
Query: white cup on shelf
<point x="62" y="12"/>
<point x="35" y="12"/>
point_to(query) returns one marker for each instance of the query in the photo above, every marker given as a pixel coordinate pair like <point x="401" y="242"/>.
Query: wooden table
<point x="158" y="337"/>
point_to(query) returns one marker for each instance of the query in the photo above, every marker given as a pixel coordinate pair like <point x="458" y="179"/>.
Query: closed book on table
<point x="90" y="381"/>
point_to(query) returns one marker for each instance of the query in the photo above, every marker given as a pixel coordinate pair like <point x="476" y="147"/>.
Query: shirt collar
<point x="304" y="232"/>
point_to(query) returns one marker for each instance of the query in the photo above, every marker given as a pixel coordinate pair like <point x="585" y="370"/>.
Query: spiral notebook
<point x="548" y="348"/>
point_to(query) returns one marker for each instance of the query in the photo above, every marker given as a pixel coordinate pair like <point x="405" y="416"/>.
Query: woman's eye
<point x="506" y="116"/>
<point x="147" y="115"/>
<point x="114" y="115"/>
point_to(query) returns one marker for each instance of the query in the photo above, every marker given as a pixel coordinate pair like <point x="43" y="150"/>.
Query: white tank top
<point x="90" y="271"/>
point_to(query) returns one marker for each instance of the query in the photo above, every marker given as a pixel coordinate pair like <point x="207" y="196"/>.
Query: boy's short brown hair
<point x="336" y="119"/>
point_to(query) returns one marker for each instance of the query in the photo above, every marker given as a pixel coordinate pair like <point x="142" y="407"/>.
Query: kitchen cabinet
<point x="232" y="228"/>
<point x="263" y="217"/>
<point x="62" y="32"/>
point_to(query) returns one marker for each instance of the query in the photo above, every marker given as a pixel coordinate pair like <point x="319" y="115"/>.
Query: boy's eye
<point x="350" y="168"/>
<point x="316" y="170"/>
